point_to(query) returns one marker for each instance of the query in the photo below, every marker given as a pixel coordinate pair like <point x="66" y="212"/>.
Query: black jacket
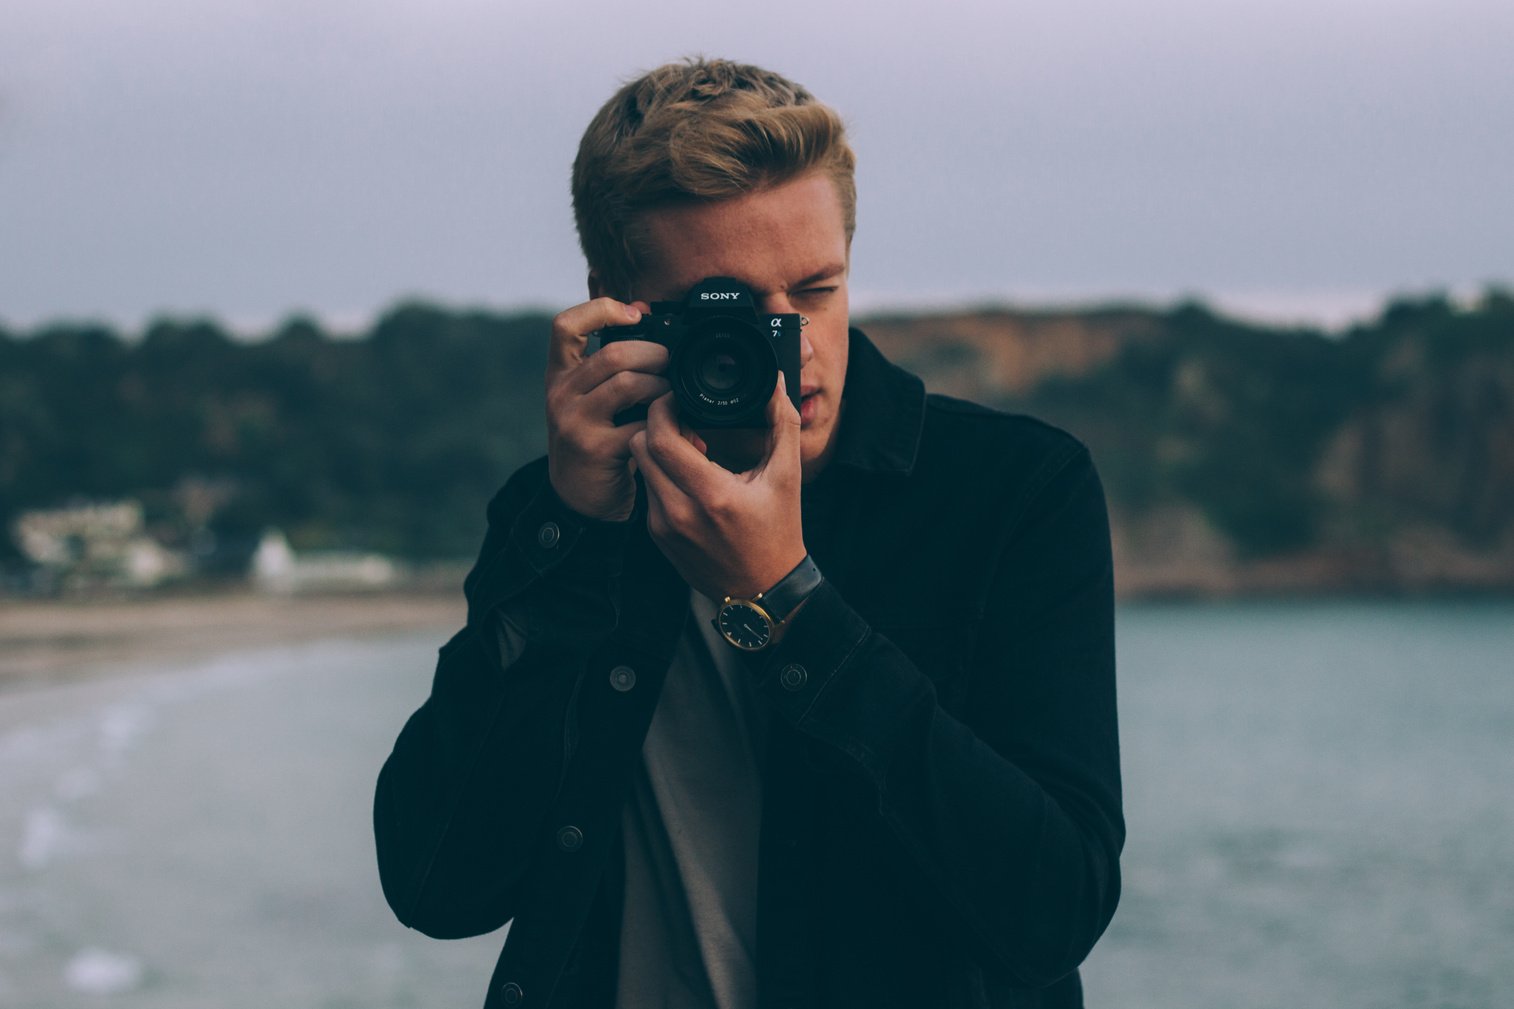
<point x="941" y="804"/>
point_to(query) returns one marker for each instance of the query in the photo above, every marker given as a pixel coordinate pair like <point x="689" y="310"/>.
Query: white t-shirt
<point x="691" y="825"/>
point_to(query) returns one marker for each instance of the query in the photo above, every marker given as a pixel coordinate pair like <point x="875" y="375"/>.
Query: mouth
<point x="808" y="403"/>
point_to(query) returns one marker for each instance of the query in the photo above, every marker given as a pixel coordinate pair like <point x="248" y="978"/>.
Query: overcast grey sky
<point x="253" y="158"/>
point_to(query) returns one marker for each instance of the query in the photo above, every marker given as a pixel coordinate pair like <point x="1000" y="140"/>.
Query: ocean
<point x="1320" y="801"/>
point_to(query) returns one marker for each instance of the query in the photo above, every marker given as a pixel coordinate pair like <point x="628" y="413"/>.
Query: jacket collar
<point x="883" y="415"/>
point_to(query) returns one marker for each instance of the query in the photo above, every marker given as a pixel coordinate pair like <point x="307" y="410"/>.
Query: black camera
<point x="724" y="355"/>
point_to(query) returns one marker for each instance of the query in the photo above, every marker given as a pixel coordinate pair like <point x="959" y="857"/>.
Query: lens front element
<point x="719" y="373"/>
<point x="724" y="372"/>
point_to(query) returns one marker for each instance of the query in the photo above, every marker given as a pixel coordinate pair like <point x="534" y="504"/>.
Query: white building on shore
<point x="276" y="567"/>
<point x="94" y="545"/>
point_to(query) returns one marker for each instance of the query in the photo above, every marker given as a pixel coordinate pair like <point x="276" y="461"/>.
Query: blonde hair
<point x="690" y="132"/>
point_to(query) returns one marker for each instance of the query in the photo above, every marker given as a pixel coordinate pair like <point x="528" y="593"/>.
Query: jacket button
<point x="548" y="535"/>
<point x="793" y="677"/>
<point x="570" y="838"/>
<point x="622" y="678"/>
<point x="512" y="994"/>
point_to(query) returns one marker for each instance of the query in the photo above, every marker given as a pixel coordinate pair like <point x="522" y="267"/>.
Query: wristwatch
<point x="748" y="624"/>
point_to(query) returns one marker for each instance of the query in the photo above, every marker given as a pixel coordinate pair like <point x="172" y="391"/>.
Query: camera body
<point x="724" y="355"/>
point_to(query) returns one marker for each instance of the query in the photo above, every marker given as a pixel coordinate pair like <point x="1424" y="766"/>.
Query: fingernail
<point x="633" y="313"/>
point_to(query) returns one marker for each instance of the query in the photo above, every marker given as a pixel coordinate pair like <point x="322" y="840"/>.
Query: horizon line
<point x="1330" y="311"/>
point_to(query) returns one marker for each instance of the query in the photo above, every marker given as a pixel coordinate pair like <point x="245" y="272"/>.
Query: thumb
<point x="783" y="428"/>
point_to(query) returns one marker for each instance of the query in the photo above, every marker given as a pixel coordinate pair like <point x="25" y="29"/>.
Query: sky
<point x="1296" y="160"/>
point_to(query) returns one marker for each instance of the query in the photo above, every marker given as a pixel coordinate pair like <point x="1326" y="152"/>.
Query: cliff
<point x="1245" y="460"/>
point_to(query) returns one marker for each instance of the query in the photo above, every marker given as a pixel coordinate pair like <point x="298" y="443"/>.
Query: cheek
<point x="831" y="354"/>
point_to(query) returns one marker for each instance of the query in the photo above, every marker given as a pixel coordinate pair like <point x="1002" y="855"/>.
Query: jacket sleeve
<point x="1009" y="815"/>
<point x="463" y="794"/>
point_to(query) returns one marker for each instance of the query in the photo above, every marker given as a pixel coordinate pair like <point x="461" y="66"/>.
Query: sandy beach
<point x="53" y="640"/>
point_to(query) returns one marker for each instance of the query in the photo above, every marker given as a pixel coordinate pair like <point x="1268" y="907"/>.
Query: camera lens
<point x="719" y="372"/>
<point x="724" y="374"/>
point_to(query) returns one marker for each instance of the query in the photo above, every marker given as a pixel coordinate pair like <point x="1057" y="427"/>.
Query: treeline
<point x="393" y="441"/>
<point x="1295" y="440"/>
<point x="1282" y="440"/>
<point x="1246" y="459"/>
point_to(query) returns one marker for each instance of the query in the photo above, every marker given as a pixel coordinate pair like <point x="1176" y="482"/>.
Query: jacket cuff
<point x="833" y="678"/>
<point x="549" y="540"/>
<point x="817" y="643"/>
<point x="555" y="538"/>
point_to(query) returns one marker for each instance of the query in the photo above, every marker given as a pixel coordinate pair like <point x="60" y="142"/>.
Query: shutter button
<point x="513" y="995"/>
<point x="570" y="838"/>
<point x="622" y="678"/>
<point x="793" y="677"/>
<point x="548" y="535"/>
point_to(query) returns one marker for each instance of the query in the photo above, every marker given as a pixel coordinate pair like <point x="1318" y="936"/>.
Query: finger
<point x="598" y="446"/>
<point x="668" y="442"/>
<point x="662" y="492"/>
<point x="622" y="355"/>
<point x="620" y="437"/>
<point x="571" y="329"/>
<point x="620" y="391"/>
<point x="688" y="434"/>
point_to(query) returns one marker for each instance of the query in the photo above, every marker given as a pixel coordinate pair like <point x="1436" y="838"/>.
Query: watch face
<point x="745" y="626"/>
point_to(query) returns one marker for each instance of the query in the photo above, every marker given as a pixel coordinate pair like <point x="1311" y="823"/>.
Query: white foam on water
<point x="102" y="972"/>
<point x="82" y="753"/>
<point x="121" y="727"/>
<point x="33" y="745"/>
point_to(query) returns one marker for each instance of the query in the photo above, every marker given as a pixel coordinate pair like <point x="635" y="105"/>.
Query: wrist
<point x="757" y="623"/>
<point x="588" y="509"/>
<point x="587" y="519"/>
<point x="772" y="575"/>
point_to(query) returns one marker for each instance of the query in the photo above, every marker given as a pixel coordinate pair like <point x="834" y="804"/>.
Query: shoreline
<point x="52" y="641"/>
<point x="61" y="640"/>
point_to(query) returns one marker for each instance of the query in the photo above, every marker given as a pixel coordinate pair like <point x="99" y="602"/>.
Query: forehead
<point x="770" y="239"/>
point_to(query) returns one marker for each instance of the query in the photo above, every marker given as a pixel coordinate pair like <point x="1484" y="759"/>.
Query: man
<point x="896" y="786"/>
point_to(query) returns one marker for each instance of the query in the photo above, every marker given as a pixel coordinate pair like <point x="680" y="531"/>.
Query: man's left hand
<point x="727" y="534"/>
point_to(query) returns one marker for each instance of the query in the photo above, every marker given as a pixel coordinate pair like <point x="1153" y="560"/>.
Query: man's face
<point x="788" y="244"/>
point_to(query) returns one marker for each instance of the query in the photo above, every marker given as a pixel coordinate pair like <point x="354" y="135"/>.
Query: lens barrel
<point x="723" y="372"/>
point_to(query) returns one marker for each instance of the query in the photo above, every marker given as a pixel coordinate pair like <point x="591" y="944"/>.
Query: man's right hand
<point x="588" y="457"/>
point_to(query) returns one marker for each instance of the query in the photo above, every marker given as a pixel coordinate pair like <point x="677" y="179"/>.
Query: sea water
<point x="1320" y="799"/>
<point x="1320" y="803"/>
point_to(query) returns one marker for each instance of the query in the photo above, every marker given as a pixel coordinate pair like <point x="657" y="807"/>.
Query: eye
<point x="816" y="292"/>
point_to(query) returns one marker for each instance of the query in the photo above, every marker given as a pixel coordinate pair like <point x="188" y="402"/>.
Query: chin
<point x="813" y="453"/>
